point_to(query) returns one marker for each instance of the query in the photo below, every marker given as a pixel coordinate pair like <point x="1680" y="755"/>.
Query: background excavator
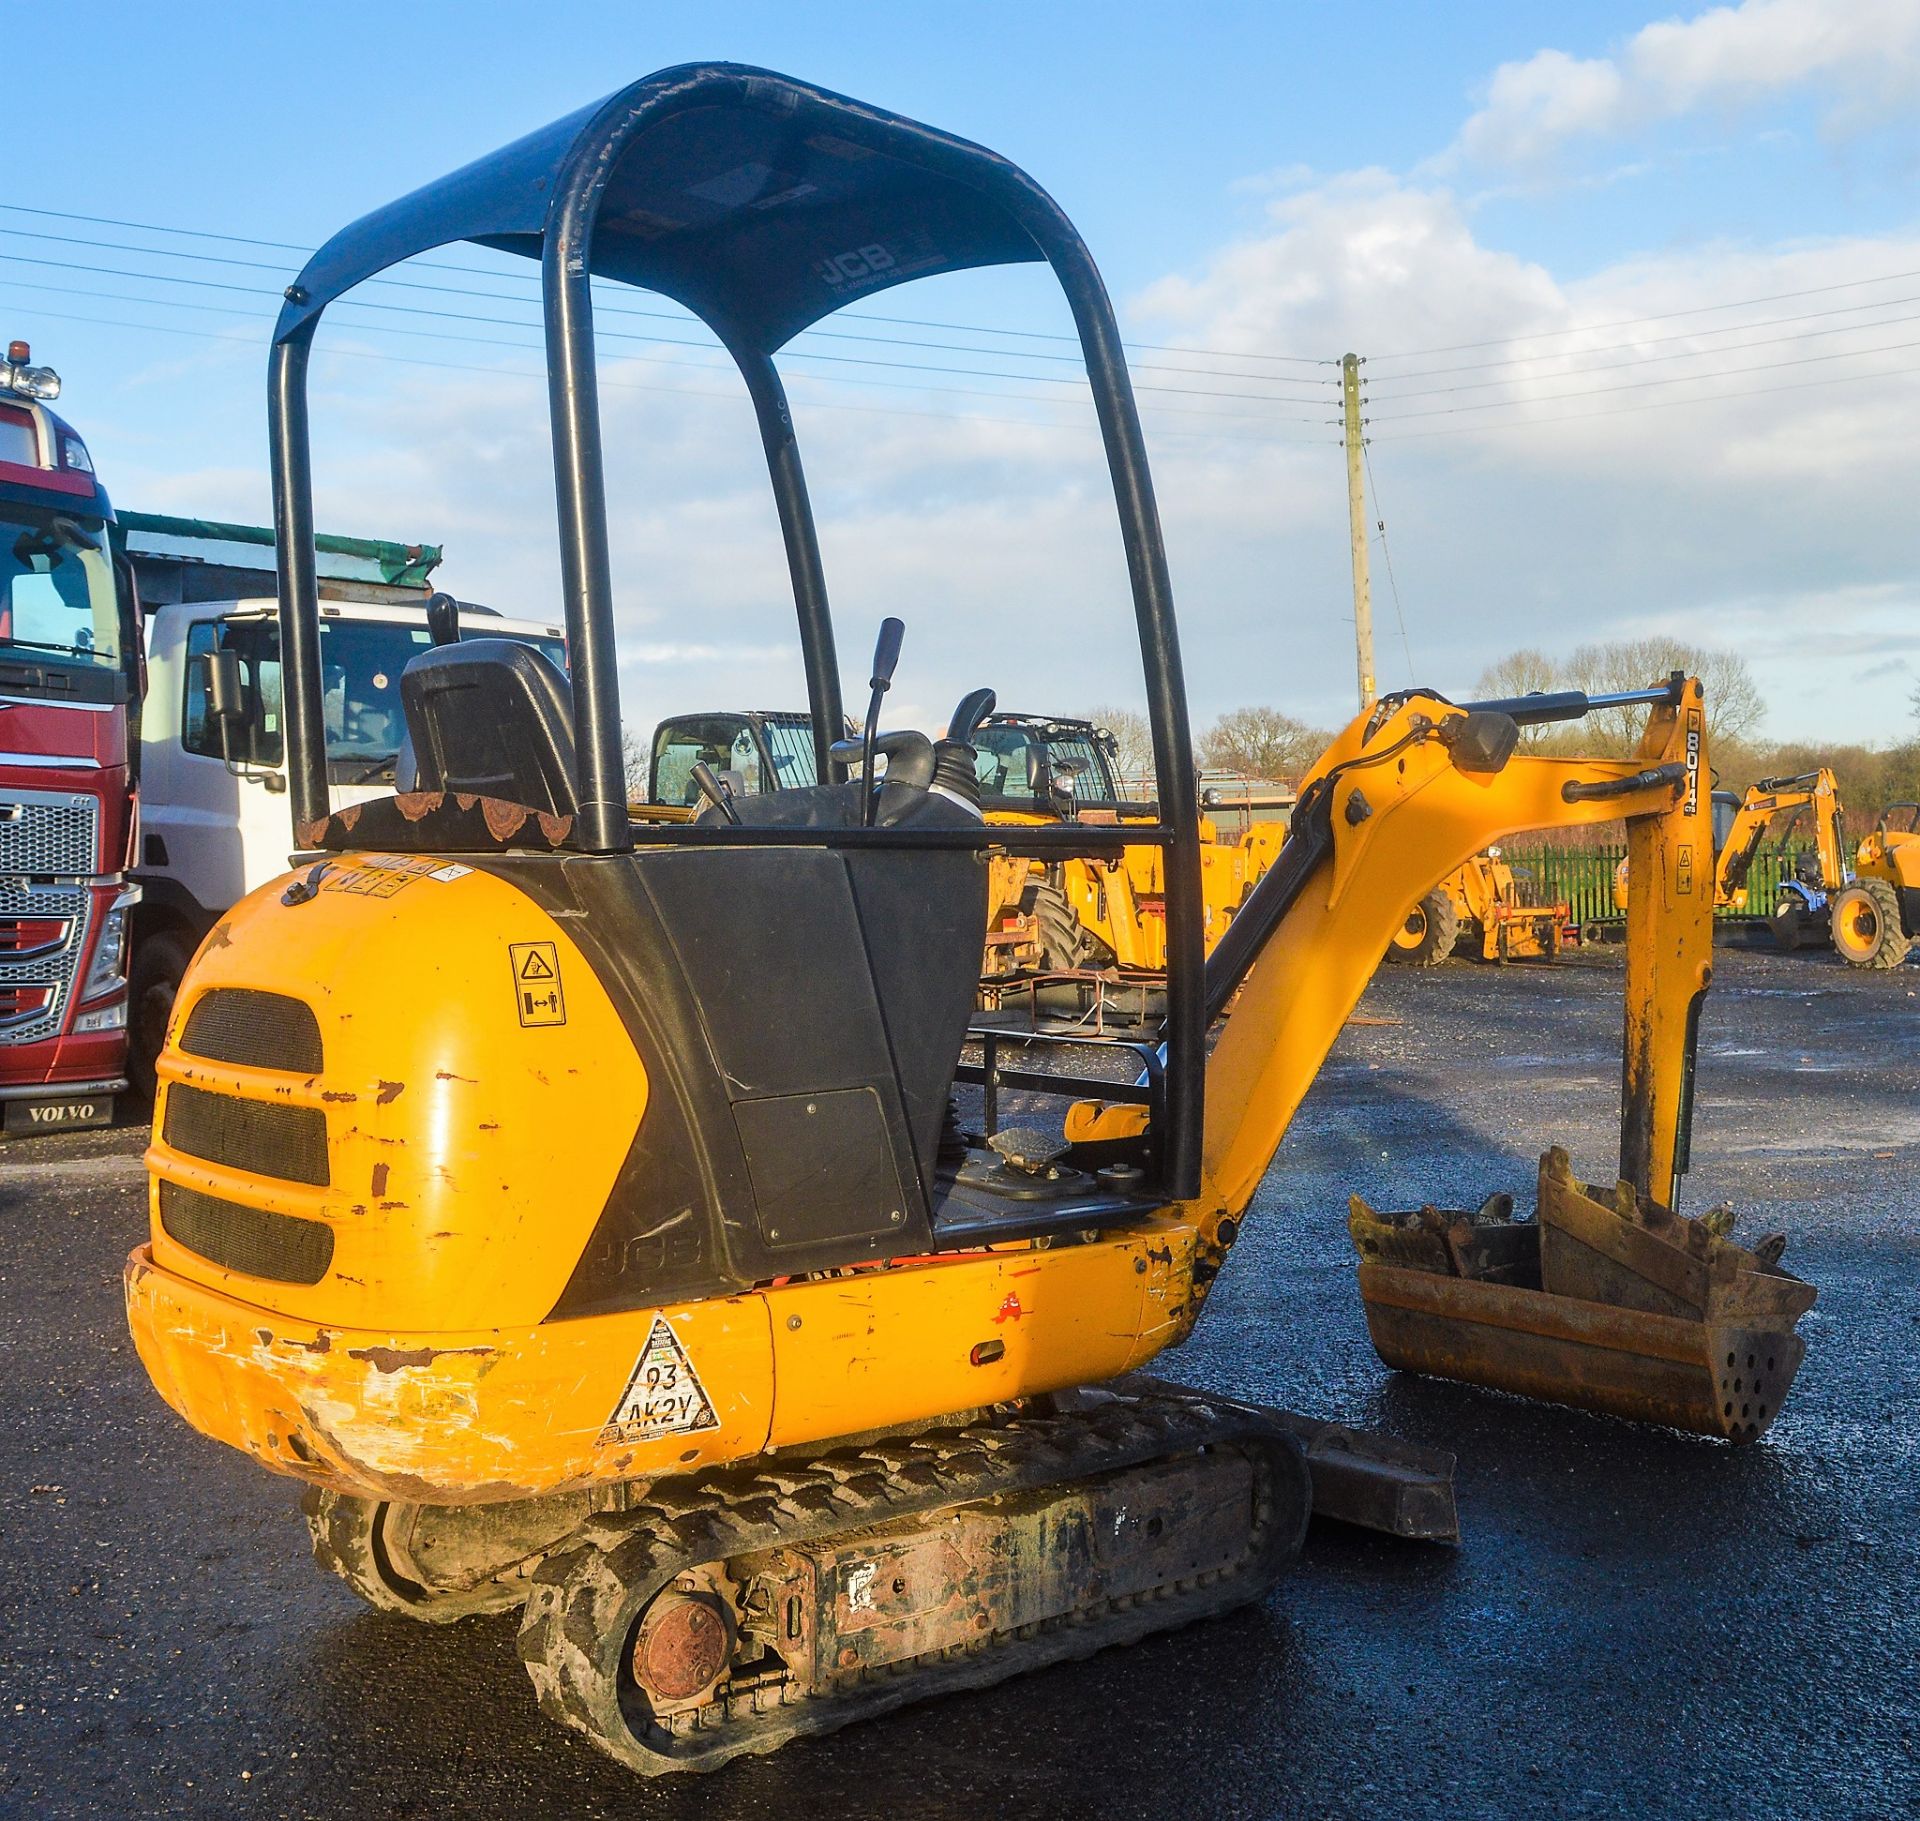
<point x="1485" y="902"/>
<point x="576" y="1202"/>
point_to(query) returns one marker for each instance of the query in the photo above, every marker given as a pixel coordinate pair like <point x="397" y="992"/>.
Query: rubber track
<point x="587" y="1594"/>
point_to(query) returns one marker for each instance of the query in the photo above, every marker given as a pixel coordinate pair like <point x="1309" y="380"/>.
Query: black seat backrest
<point x="491" y="718"/>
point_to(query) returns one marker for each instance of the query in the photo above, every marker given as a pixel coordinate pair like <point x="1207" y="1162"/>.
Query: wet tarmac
<point x="1637" y="1623"/>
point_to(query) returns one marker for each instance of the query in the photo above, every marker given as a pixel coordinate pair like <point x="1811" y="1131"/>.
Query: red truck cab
<point x="70" y="676"/>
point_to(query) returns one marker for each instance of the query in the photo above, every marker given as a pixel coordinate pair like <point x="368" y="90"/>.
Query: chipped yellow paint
<point x="507" y="1412"/>
<point x="454" y="1417"/>
<point x="469" y="1154"/>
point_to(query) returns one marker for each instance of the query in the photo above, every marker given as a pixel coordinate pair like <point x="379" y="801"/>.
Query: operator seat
<point x="490" y="718"/>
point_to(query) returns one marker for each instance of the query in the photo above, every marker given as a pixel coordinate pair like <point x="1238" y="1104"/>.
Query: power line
<point x="1618" y="366"/>
<point x="1652" y="341"/>
<point x="685" y="318"/>
<point x="1629" y="322"/>
<point x="247" y="341"/>
<point x="1638" y="385"/>
<point x="855" y="360"/>
<point x="479" y="340"/>
<point x="601" y="336"/>
<point x="1651" y="404"/>
<point x="913" y="322"/>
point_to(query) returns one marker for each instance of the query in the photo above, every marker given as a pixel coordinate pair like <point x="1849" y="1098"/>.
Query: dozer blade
<point x="1360" y="1476"/>
<point x="734" y="1611"/>
<point x="1608" y="1302"/>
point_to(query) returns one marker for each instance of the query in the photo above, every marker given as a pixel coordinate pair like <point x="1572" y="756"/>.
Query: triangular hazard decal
<point x="536" y="966"/>
<point x="664" y="1396"/>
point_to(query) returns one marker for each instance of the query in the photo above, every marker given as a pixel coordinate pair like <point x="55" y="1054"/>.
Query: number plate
<point x="24" y="1116"/>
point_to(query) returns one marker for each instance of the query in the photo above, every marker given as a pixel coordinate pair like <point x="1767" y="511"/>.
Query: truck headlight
<point x="108" y="971"/>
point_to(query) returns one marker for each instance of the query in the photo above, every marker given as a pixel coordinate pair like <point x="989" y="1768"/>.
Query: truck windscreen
<point x="360" y="666"/>
<point x="58" y="602"/>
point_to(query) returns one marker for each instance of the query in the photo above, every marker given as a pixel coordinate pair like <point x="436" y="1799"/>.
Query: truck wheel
<point x="1867" y="931"/>
<point x="1427" y="937"/>
<point x="1789" y="924"/>
<point x="159" y="965"/>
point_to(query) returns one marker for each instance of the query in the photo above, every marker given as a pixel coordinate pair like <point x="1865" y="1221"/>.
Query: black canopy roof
<point x="759" y="202"/>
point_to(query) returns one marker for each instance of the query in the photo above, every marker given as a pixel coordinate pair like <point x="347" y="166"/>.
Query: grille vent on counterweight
<point x="248" y="1240"/>
<point x="266" y="1139"/>
<point x="255" y="1030"/>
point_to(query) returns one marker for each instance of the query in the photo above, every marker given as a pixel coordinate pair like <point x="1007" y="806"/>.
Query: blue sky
<point x="1253" y="179"/>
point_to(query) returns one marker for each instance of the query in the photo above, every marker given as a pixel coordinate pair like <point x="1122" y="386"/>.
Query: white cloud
<point x="1651" y="496"/>
<point x="1862" y="55"/>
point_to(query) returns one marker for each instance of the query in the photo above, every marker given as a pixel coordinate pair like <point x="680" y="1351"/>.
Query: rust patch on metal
<point x="389" y="1092"/>
<point x="395" y="1359"/>
<point x="378" y="1186"/>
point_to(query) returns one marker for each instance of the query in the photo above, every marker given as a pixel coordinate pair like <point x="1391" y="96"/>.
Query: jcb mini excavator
<point x="573" y="1203"/>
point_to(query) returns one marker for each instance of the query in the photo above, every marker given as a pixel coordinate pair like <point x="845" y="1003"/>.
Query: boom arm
<point x="1392" y="809"/>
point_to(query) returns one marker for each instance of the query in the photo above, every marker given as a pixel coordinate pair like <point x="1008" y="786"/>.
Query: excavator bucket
<point x="1607" y="1301"/>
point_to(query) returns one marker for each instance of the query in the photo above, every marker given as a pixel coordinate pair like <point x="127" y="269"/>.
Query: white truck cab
<point x="214" y="821"/>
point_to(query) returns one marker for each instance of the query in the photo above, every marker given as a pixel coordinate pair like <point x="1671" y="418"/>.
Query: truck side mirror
<point x="226" y="698"/>
<point x="443" y="619"/>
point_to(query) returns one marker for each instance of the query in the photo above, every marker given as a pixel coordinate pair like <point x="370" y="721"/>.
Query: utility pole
<point x="1357" y="524"/>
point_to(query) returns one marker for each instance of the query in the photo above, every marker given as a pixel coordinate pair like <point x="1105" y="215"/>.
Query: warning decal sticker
<point x="536" y="983"/>
<point x="664" y="1396"/>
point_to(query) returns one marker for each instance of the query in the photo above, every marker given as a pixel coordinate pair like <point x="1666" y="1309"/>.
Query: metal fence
<point x="1583" y="877"/>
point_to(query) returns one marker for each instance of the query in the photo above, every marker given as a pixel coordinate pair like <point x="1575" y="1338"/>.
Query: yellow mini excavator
<point x="575" y="1203"/>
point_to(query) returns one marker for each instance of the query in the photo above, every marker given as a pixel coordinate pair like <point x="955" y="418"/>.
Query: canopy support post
<point x="803" y="551"/>
<point x="586" y="579"/>
<point x="302" y="704"/>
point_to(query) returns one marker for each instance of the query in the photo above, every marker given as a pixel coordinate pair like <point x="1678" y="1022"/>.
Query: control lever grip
<point x="716" y="793"/>
<point x="974" y="708"/>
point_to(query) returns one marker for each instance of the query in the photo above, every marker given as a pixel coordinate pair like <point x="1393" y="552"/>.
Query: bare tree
<point x="1522" y="673"/>
<point x="634" y="760"/>
<point x="1519" y="673"/>
<point x="1735" y="704"/>
<point x="1133" y="737"/>
<point x="1263" y="743"/>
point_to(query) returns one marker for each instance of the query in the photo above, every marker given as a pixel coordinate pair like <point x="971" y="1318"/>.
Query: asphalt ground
<point x="1637" y="1622"/>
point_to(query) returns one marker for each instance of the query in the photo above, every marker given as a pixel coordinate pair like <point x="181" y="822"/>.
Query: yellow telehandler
<point x="574" y="1202"/>
<point x="1876" y="918"/>
<point x="1078" y="915"/>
